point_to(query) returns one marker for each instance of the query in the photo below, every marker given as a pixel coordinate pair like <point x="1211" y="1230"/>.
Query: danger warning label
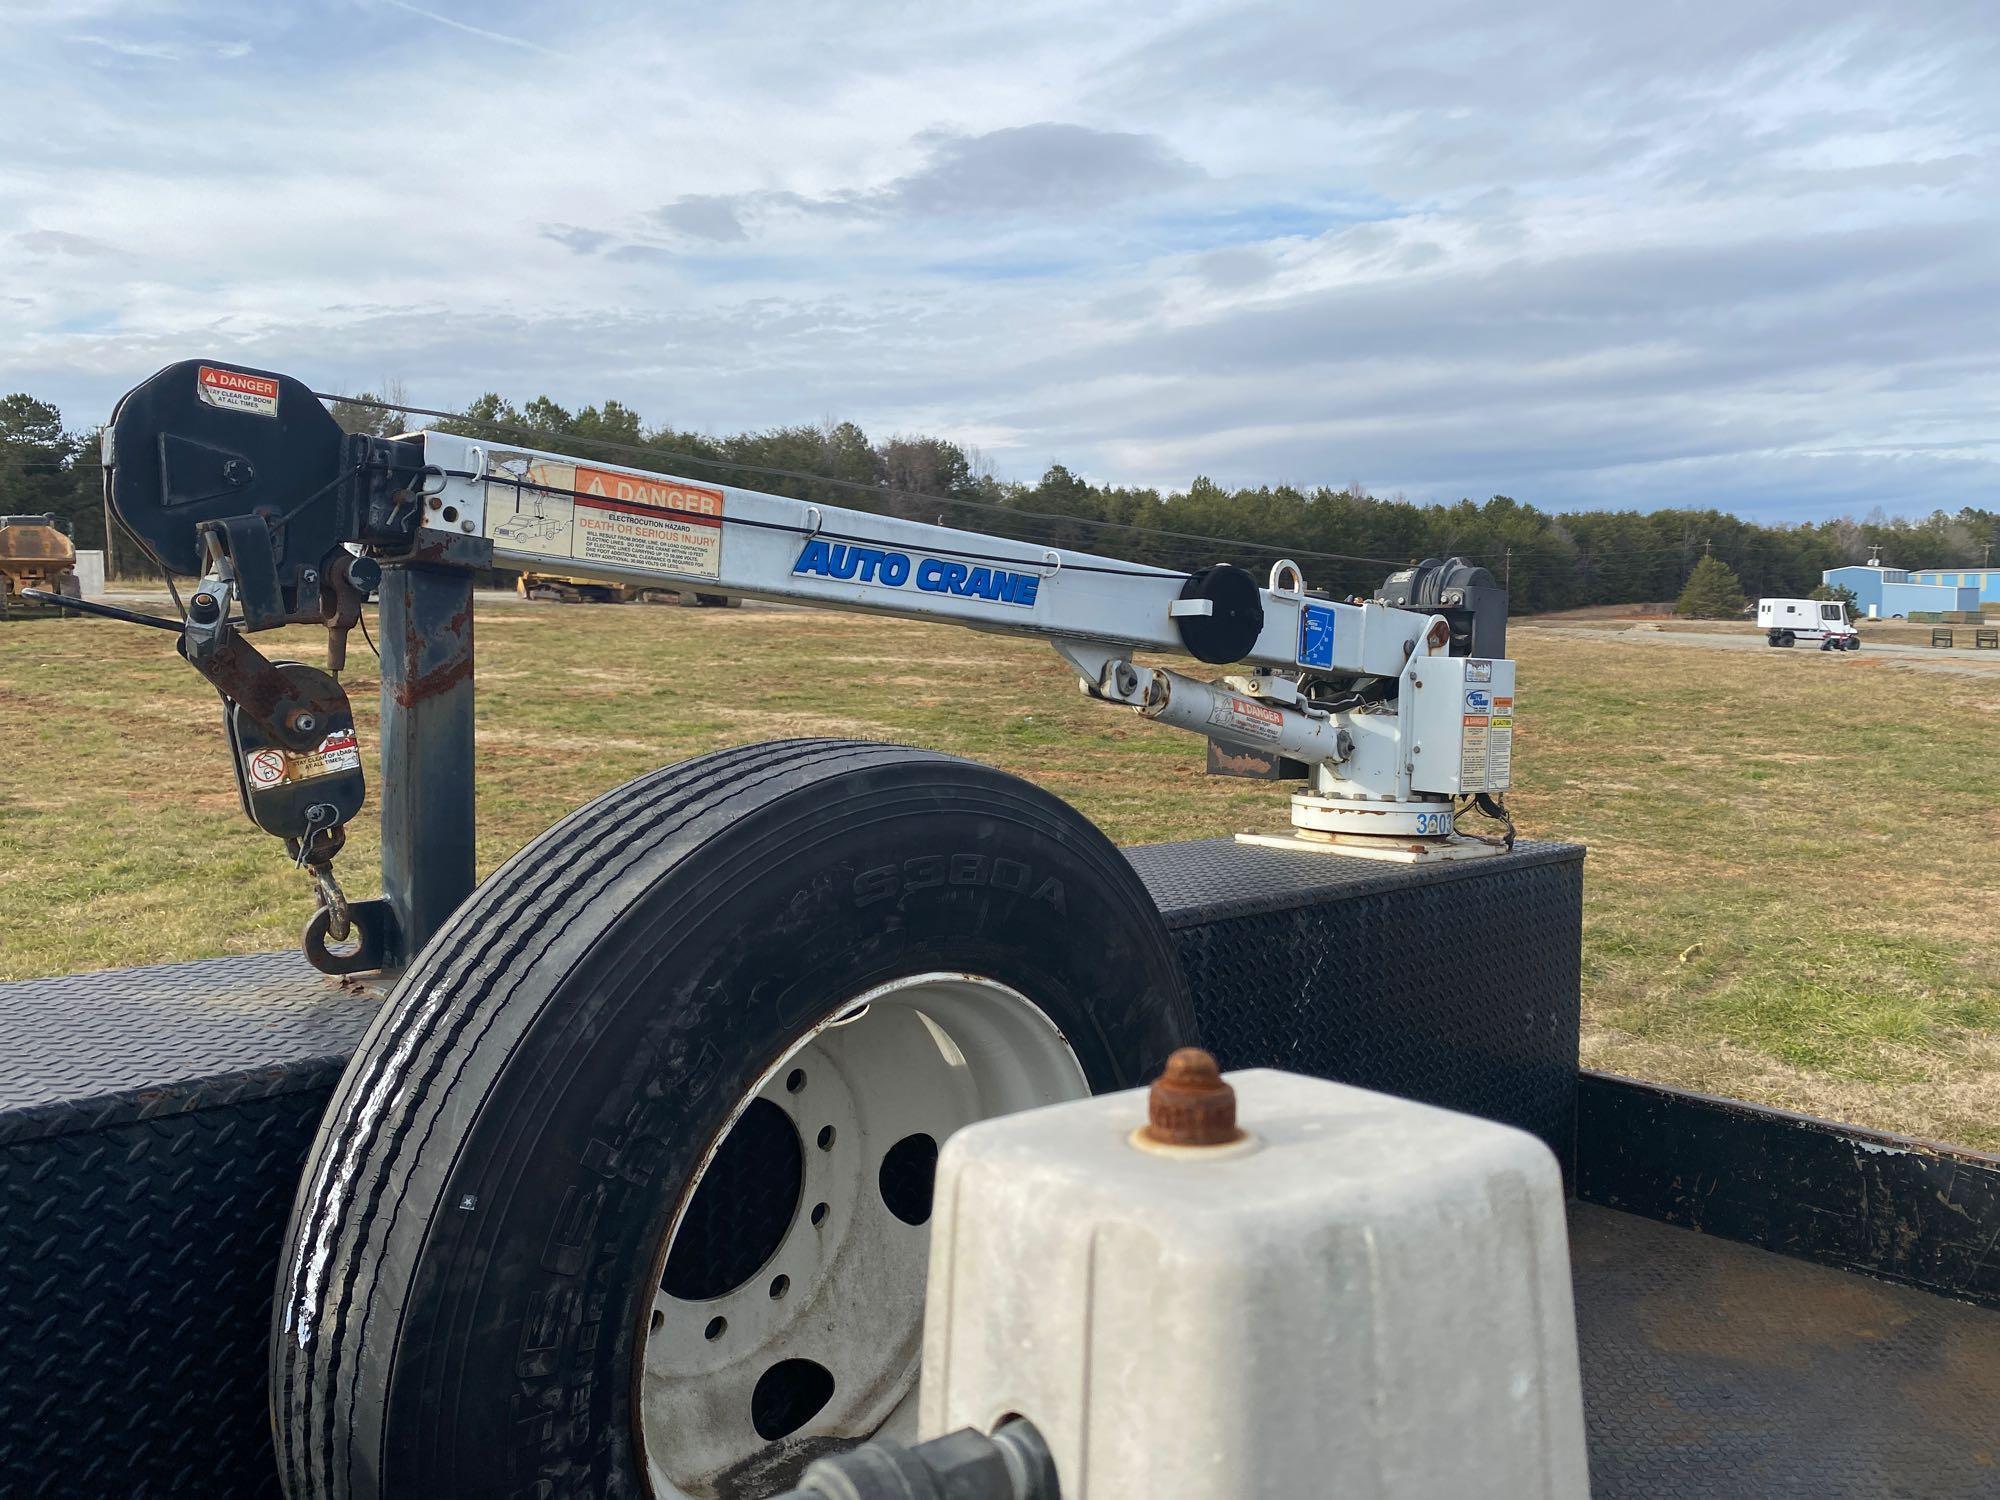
<point x="640" y="522"/>
<point x="556" y="509"/>
<point x="232" y="390"/>
<point x="1244" y="719"/>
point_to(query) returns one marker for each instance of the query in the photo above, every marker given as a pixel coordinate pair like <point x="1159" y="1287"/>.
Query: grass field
<point x="1792" y="891"/>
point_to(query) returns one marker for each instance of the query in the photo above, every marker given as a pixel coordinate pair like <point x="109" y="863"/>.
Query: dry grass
<point x="1790" y="897"/>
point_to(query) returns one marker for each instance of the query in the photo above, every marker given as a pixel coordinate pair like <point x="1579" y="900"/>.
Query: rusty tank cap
<point x="1190" y="1104"/>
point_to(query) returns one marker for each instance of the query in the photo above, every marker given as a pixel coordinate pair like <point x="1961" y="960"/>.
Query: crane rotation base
<point x="1412" y="851"/>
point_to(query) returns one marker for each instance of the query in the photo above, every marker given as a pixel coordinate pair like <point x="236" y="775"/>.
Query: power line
<point x="1541" y="568"/>
<point x="891" y="492"/>
<point x="1136" y="570"/>
<point x="1536" y="568"/>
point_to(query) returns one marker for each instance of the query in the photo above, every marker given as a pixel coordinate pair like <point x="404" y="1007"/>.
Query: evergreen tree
<point x="1346" y="539"/>
<point x="1713" y="592"/>
<point x="357" y="416"/>
<point x="47" y="470"/>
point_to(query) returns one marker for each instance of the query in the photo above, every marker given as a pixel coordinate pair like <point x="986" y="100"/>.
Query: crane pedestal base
<point x="1402" y="851"/>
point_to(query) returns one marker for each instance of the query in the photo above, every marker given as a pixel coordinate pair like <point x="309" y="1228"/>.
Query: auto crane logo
<point x="932" y="575"/>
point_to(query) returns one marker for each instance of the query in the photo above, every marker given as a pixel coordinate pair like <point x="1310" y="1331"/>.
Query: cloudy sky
<point x="1744" y="253"/>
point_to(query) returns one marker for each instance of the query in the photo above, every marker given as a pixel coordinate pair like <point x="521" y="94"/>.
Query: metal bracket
<point x="372" y="925"/>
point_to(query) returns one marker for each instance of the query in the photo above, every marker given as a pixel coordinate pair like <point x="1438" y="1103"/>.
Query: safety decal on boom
<point x="567" y="510"/>
<point x="232" y="390"/>
<point x="1244" y="719"/>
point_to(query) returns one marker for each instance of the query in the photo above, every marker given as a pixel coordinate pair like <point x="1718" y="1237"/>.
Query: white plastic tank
<point x="1360" y="1297"/>
<point x="90" y="572"/>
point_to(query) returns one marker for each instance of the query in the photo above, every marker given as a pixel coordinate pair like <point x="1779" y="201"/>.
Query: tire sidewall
<point x="516" y="1353"/>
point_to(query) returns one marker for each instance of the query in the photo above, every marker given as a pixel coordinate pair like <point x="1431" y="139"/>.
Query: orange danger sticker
<point x="647" y="522"/>
<point x="1256" y="721"/>
<point x="606" y="490"/>
<point x="232" y="390"/>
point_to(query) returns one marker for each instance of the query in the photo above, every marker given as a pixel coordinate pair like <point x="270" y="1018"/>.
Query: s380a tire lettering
<point x="970" y="869"/>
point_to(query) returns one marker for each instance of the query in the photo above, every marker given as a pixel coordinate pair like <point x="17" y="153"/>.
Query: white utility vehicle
<point x="1786" y="622"/>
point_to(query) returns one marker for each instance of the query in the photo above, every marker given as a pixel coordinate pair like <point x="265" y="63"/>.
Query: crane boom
<point x="1391" y="710"/>
<point x="640" y="527"/>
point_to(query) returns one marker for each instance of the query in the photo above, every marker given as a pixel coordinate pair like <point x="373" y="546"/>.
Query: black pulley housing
<point x="292" y="793"/>
<point x="1235" y="620"/>
<point x="256" y="460"/>
<point x="1463" y="592"/>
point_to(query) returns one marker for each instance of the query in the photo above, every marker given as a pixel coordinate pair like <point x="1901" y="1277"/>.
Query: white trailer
<point x="1820" y="622"/>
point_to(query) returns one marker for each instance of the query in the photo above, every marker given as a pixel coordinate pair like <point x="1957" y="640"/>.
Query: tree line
<point x="1345" y="539"/>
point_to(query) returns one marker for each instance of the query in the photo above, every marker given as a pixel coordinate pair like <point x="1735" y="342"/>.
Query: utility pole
<point x="1507" y="572"/>
<point x="117" y="559"/>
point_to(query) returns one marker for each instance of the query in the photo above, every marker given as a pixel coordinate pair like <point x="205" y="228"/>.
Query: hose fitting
<point x="1013" y="1464"/>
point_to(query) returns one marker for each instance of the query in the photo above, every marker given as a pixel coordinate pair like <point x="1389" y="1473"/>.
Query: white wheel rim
<point x="914" y="1058"/>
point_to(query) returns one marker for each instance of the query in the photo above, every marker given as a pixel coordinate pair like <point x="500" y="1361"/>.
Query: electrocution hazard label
<point x="232" y="390"/>
<point x="639" y="522"/>
<point x="556" y="509"/>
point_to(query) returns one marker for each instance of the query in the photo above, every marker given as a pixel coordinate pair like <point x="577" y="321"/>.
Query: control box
<point x="1461" y="724"/>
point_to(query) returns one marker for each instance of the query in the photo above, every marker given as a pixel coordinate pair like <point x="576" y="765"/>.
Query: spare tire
<point x="625" y="1191"/>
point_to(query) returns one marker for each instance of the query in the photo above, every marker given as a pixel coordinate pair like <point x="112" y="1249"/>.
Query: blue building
<point x="1986" y="580"/>
<point x="1893" y="593"/>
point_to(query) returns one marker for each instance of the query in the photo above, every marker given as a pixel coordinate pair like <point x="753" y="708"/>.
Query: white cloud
<point x="484" y="33"/>
<point x="1739" y="254"/>
<point x="56" y="242"/>
<point x="162" y="51"/>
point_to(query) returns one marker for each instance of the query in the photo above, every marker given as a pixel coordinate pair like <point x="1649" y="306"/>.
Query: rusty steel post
<point x="427" y="772"/>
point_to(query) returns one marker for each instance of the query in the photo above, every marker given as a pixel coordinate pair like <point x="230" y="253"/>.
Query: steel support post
<point x="427" y="771"/>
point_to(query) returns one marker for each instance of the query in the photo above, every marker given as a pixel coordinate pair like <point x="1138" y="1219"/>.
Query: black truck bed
<point x="1712" y="1368"/>
<point x="153" y="1121"/>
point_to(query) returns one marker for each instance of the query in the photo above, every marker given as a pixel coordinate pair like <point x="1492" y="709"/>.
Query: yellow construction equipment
<point x="567" y="590"/>
<point x="36" y="553"/>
